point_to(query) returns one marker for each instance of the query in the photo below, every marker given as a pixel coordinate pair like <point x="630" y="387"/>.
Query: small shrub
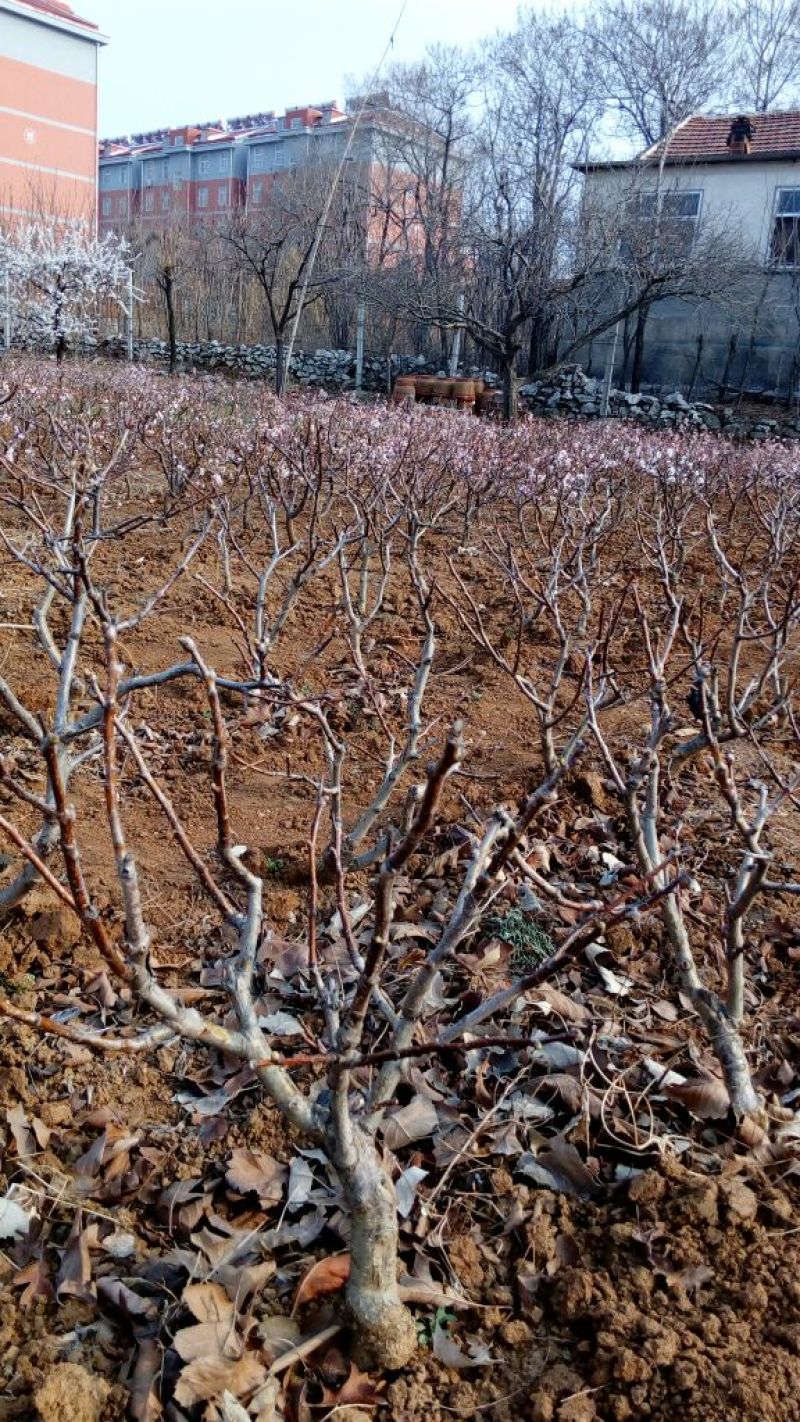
<point x="530" y="945"/>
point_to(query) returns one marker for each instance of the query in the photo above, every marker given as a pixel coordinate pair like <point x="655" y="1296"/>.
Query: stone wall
<point x="571" y="393"/>
<point x="574" y="394"/>
<point x="328" y="369"/>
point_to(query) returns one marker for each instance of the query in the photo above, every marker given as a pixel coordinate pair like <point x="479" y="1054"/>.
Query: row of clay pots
<point x="466" y="394"/>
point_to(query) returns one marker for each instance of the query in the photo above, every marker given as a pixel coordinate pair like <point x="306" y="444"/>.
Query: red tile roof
<point x="59" y="10"/>
<point x="701" y="138"/>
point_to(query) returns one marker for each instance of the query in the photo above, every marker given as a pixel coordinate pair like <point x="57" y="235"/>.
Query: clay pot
<point x="464" y="391"/>
<point x="442" y="391"/>
<point x="404" y="391"/>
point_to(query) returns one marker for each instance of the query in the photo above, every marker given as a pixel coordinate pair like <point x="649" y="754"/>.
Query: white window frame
<point x="107" y="207"/>
<point x="257" y="191"/>
<point x="149" y="201"/>
<point x="223" y="196"/>
<point x="166" y="200"/>
<point x="204" y="166"/>
<point x="787" y="216"/>
<point x="202" y="197"/>
<point x="666" y="193"/>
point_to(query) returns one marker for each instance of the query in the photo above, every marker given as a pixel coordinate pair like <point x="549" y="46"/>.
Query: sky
<point x="180" y="61"/>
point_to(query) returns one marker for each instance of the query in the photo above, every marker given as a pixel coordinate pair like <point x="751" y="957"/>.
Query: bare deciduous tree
<point x="659" y="61"/>
<point x="296" y="506"/>
<point x="765" y="66"/>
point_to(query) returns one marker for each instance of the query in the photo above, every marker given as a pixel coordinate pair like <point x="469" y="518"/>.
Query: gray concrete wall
<point x="751" y="342"/>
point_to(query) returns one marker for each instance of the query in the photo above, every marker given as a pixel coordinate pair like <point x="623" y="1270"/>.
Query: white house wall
<point x="737" y="196"/>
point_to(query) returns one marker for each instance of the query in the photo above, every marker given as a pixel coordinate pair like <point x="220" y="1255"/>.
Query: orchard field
<point x="399" y="911"/>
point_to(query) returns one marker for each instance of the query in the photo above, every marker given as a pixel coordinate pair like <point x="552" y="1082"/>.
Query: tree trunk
<point x="169" y="304"/>
<point x="638" y="349"/>
<point x="385" y="1333"/>
<point x="280" y="366"/>
<point x="697" y="363"/>
<point x="726" y="369"/>
<point x="791" y="380"/>
<point x="510" y="390"/>
<point x="627" y="340"/>
<point x="539" y="345"/>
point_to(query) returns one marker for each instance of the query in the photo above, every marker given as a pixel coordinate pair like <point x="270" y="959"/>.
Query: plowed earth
<point x="671" y="1291"/>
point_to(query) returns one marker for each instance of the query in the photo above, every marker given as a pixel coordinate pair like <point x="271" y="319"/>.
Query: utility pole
<point x="361" y="320"/>
<point x="609" y="373"/>
<point x="129" y="314"/>
<point x="7" y="311"/>
<point x="455" y="353"/>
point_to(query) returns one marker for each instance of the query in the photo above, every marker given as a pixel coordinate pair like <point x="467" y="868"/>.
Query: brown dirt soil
<point x="676" y="1297"/>
<point x="680" y="1298"/>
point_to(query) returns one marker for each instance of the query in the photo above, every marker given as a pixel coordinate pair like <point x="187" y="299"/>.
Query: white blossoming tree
<point x="57" y="276"/>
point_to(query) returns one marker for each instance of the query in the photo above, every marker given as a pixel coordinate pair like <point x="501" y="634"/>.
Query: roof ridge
<point x="57" y="10"/>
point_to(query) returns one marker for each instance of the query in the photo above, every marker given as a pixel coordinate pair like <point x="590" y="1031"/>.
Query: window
<point x="106" y="207"/>
<point x="785" y="247"/>
<point x="202" y="197"/>
<point x="257" y="157"/>
<point x="165" y="202"/>
<point x="673" y="215"/>
<point x="122" y="206"/>
<point x="256" y="191"/>
<point x="297" y="123"/>
<point x="222" y="195"/>
<point x="675" y="206"/>
<point x="205" y="167"/>
<point x="148" y="202"/>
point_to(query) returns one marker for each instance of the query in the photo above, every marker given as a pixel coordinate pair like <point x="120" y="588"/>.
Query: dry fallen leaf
<point x="327" y="1276"/>
<point x="34" y="1281"/>
<point x="277" y="1334"/>
<point x="207" y="1378"/>
<point x="207" y="1340"/>
<point x="232" y="1411"/>
<point x="254" y="1170"/>
<point x="448" y="1352"/>
<point x="208" y="1302"/>
<point x="76" y="1267"/>
<point x="144" y="1404"/>
<point x="410" y="1123"/>
<point x="22" y="1131"/>
<point x="14" y="1221"/>
<point x="560" y="1167"/>
<point x="705" y="1097"/>
<point x="559" y="1003"/>
<point x="264" y="1404"/>
<point x="406" y="1187"/>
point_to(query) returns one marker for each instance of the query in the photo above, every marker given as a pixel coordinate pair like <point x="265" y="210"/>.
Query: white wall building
<point x="739" y="175"/>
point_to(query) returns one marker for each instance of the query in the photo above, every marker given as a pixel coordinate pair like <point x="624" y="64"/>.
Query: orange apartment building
<point x="206" y="171"/>
<point x="48" y="110"/>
